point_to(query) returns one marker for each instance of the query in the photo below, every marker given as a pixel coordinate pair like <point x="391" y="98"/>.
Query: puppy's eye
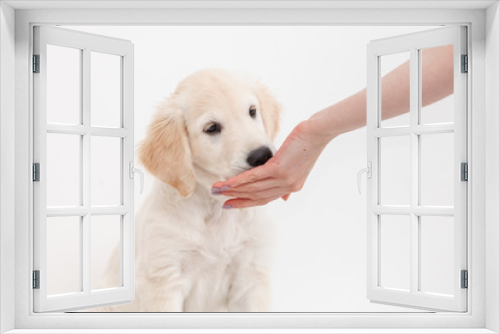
<point x="213" y="128"/>
<point x="252" y="111"/>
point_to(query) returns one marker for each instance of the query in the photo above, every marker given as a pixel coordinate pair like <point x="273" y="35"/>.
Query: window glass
<point x="105" y="171"/>
<point x="395" y="252"/>
<point x="63" y="255"/>
<point x="395" y="170"/>
<point x="63" y="170"/>
<point x="105" y="95"/>
<point x="105" y="251"/>
<point x="436" y="255"/>
<point x="388" y="99"/>
<point x="63" y="85"/>
<point x="437" y="169"/>
<point x="436" y="110"/>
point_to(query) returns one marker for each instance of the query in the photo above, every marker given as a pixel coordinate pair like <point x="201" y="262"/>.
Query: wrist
<point x="312" y="129"/>
<point x="344" y="116"/>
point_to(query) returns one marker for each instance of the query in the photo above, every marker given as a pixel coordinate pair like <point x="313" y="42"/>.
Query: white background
<point x="320" y="256"/>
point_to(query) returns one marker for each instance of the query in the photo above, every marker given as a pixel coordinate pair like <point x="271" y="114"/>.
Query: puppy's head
<point x="216" y="124"/>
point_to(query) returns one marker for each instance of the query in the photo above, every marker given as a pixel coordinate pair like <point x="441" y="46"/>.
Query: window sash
<point x="87" y="298"/>
<point x="413" y="43"/>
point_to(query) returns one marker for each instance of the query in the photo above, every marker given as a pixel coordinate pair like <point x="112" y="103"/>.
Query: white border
<point x="492" y="162"/>
<point x="7" y="159"/>
<point x="248" y="4"/>
<point x="476" y="17"/>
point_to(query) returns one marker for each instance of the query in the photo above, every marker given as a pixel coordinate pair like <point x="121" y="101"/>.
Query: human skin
<point x="288" y="170"/>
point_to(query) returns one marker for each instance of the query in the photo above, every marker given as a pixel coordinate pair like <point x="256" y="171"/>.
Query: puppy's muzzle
<point x="259" y="156"/>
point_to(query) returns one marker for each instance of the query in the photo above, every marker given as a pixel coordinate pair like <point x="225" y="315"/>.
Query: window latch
<point x="368" y="171"/>
<point x="133" y="170"/>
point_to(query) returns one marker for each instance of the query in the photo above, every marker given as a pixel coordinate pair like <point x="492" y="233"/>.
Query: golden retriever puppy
<point x="192" y="255"/>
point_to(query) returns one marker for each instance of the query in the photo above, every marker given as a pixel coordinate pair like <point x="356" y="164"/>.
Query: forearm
<point x="344" y="116"/>
<point x="350" y="113"/>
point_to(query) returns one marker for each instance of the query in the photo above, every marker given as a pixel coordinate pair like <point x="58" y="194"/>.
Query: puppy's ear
<point x="270" y="110"/>
<point x="165" y="151"/>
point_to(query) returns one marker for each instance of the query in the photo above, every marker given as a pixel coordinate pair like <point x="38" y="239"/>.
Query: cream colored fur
<point x="191" y="254"/>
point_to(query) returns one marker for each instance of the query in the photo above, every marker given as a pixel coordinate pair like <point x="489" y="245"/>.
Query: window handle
<point x="133" y="170"/>
<point x="368" y="171"/>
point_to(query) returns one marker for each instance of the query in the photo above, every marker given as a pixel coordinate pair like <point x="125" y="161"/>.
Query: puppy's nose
<point x="259" y="156"/>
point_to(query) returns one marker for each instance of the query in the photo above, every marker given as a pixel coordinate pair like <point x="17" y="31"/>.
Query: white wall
<point x="320" y="262"/>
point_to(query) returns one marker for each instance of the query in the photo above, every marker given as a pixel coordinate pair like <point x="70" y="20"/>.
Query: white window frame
<point x="483" y="314"/>
<point x="86" y="44"/>
<point x="414" y="211"/>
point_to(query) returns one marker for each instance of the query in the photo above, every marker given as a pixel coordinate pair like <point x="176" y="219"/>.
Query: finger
<point x="248" y="176"/>
<point x="254" y="187"/>
<point x="285" y="198"/>
<point x="218" y="184"/>
<point x="240" y="203"/>
<point x="268" y="194"/>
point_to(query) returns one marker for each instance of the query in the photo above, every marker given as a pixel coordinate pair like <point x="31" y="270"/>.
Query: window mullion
<point x="85" y="235"/>
<point x="82" y="130"/>
<point x="67" y="129"/>
<point x="82" y="211"/>
<point x="414" y="170"/>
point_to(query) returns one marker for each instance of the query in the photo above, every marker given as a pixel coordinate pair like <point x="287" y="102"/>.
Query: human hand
<point x="283" y="174"/>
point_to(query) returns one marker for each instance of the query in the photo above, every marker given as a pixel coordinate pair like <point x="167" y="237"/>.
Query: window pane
<point x="63" y="85"/>
<point x="105" y="90"/>
<point x="395" y="170"/>
<point x="436" y="254"/>
<point x="388" y="99"/>
<point x="437" y="169"/>
<point x="63" y="255"/>
<point x="395" y="252"/>
<point x="106" y="169"/>
<point x="436" y="111"/>
<point x="63" y="170"/>
<point x="105" y="251"/>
